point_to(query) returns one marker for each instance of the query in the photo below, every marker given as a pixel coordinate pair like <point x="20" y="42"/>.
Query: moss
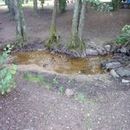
<point x="76" y="44"/>
<point x="53" y="38"/>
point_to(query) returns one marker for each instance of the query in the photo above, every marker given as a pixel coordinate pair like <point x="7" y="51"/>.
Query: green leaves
<point x="97" y="2"/>
<point x="99" y="6"/>
<point x="6" y="73"/>
<point x="124" y="37"/>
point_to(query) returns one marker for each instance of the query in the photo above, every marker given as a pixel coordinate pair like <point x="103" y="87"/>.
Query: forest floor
<point x="99" y="28"/>
<point x="99" y="102"/>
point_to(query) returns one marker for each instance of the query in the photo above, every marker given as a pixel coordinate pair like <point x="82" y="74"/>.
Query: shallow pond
<point x="61" y="63"/>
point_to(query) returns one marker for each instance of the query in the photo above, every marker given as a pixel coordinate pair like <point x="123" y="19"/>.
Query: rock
<point x="125" y="81"/>
<point x="113" y="48"/>
<point x="114" y="74"/>
<point x="123" y="50"/>
<point x="123" y="72"/>
<point x="91" y="52"/>
<point x="107" y="48"/>
<point x="101" y="51"/>
<point x="69" y="92"/>
<point x="111" y="65"/>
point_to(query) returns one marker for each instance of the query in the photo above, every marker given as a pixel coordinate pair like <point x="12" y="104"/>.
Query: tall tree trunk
<point x="82" y="20"/>
<point x="53" y="33"/>
<point x="19" y="17"/>
<point x="10" y="4"/>
<point x="53" y="21"/>
<point x="35" y="6"/>
<point x="75" y="21"/>
<point x="76" y="26"/>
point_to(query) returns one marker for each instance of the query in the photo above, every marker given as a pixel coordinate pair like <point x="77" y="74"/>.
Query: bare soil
<point x="99" y="27"/>
<point x="32" y="106"/>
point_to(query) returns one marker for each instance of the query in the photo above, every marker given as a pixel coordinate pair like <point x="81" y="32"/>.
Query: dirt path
<point x="33" y="107"/>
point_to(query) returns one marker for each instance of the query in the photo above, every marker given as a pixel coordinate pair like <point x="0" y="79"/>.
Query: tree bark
<point x="10" y="4"/>
<point x="20" y="22"/>
<point x="82" y="20"/>
<point x="35" y="6"/>
<point x="78" y="25"/>
<point x="75" y="21"/>
<point x="53" y="21"/>
<point x="53" y="32"/>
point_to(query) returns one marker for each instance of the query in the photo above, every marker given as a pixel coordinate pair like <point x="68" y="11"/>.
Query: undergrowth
<point x="7" y="73"/>
<point x="124" y="37"/>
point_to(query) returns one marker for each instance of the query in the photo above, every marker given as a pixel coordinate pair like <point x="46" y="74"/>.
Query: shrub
<point x="6" y="73"/>
<point x="124" y="37"/>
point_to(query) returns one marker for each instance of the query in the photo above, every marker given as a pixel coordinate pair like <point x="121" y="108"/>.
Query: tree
<point x="78" y="24"/>
<point x="53" y="32"/>
<point x="20" y="22"/>
<point x="78" y="21"/>
<point x="35" y="6"/>
<point x="10" y="4"/>
<point x="82" y="20"/>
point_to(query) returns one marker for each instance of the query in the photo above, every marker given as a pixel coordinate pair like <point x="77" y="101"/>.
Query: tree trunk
<point x="75" y="21"/>
<point x="35" y="6"/>
<point x="77" y="26"/>
<point x="53" y="21"/>
<point x="19" y="17"/>
<point x="82" y="20"/>
<point x="10" y="4"/>
<point x="53" y="32"/>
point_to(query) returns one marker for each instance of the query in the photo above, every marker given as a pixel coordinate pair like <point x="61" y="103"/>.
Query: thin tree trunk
<point x="23" y="26"/>
<point x="82" y="20"/>
<point x="35" y="6"/>
<point x="53" y="21"/>
<point x="10" y="4"/>
<point x="53" y="32"/>
<point x="75" y="21"/>
<point x="19" y="17"/>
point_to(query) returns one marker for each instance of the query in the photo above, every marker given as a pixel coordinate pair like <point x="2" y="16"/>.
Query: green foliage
<point x="99" y="6"/>
<point x="116" y="4"/>
<point x="33" y="78"/>
<point x="62" y="89"/>
<point x="124" y="37"/>
<point x="62" y="5"/>
<point x="42" y="1"/>
<point x="80" y="97"/>
<point x="37" y="79"/>
<point x="6" y="73"/>
<point x="55" y="81"/>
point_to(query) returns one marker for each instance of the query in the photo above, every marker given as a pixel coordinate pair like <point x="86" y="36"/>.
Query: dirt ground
<point x="32" y="106"/>
<point x="99" y="27"/>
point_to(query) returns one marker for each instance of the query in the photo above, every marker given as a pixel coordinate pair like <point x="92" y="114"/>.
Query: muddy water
<point x="61" y="63"/>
